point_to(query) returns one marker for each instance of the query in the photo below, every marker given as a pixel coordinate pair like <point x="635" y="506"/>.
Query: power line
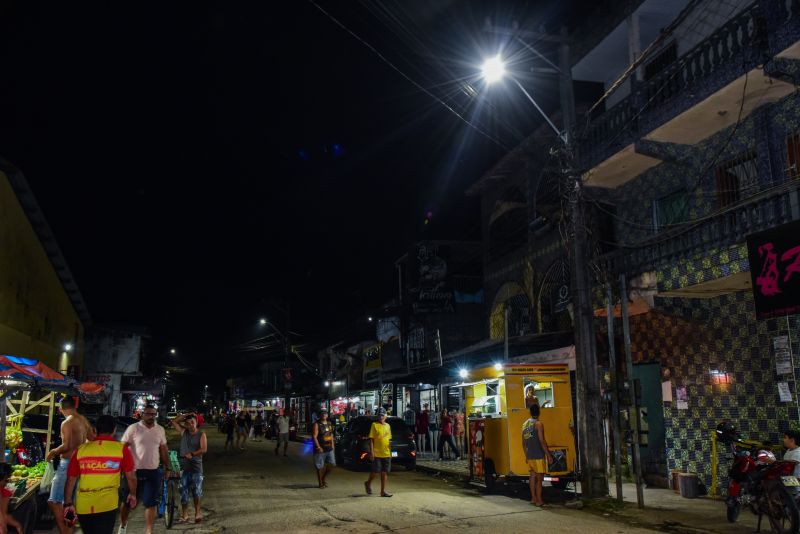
<point x="383" y="58"/>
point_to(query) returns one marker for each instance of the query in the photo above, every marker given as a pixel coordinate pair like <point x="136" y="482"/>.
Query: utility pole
<point x="612" y="365"/>
<point x="590" y="414"/>
<point x="633" y="416"/>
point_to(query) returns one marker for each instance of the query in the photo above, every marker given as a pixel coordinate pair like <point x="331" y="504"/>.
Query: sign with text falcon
<point x="774" y="256"/>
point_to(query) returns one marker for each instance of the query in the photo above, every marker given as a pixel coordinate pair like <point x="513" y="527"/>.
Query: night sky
<point x="202" y="166"/>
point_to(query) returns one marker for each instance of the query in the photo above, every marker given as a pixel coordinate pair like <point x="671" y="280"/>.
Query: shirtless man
<point x="75" y="430"/>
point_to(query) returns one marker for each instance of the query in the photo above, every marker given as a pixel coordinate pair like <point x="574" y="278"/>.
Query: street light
<point x="262" y="321"/>
<point x="463" y="373"/>
<point x="493" y="69"/>
<point x="68" y="347"/>
<point x="172" y="351"/>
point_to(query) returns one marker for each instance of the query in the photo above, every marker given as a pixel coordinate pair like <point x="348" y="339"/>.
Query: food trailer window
<point x="538" y="391"/>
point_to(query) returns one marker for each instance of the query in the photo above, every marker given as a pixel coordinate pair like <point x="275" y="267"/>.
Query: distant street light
<point x="493" y="69"/>
<point x="68" y="347"/>
<point x="172" y="351"/>
<point x="369" y="319"/>
<point x="262" y="321"/>
<point x="463" y="373"/>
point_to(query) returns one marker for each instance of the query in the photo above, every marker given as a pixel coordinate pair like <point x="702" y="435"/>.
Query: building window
<point x="793" y="156"/>
<point x="736" y="180"/>
<point x="671" y="209"/>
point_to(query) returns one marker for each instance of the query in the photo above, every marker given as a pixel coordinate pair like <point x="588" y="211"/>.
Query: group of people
<point x="87" y="486"/>
<point x="435" y="430"/>
<point x="243" y="425"/>
<point x="380" y="454"/>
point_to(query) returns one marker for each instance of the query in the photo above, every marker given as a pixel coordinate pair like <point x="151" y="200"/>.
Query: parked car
<point x="352" y="443"/>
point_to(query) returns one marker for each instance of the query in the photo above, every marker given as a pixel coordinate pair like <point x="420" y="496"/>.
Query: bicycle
<point x="170" y="492"/>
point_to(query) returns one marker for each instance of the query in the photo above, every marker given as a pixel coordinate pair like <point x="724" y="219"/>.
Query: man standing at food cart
<point x="75" y="430"/>
<point x="147" y="442"/>
<point x="98" y="464"/>
<point x="537" y="453"/>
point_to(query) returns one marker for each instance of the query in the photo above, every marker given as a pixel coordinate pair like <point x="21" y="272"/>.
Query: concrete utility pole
<point x="590" y="415"/>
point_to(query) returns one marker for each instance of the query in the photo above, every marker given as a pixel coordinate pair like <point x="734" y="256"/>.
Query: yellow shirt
<point x="381" y="435"/>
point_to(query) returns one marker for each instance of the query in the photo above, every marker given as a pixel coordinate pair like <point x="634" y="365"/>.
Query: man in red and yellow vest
<point x="98" y="464"/>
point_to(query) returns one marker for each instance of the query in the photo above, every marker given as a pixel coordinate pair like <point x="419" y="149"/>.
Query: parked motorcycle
<point x="759" y="482"/>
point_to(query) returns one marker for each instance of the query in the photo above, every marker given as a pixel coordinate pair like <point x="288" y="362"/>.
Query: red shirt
<point x="447" y="426"/>
<point x="6" y="493"/>
<point x="127" y="465"/>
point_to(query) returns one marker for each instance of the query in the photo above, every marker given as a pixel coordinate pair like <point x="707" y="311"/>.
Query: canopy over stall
<point x="18" y="374"/>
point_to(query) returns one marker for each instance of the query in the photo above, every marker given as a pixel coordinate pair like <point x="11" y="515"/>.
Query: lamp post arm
<point x="561" y="135"/>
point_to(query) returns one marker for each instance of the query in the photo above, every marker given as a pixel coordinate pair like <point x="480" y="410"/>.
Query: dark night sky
<point x="184" y="155"/>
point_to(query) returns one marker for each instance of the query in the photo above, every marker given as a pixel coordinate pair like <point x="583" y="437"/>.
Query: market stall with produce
<point x="28" y="386"/>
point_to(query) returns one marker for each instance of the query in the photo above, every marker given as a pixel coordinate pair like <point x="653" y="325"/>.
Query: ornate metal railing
<point x="740" y="44"/>
<point x="729" y="227"/>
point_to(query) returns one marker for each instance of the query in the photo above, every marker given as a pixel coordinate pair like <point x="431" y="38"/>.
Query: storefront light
<point x="463" y="373"/>
<point x="498" y="367"/>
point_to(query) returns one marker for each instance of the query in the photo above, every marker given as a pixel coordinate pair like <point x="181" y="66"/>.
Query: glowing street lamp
<point x="67" y="347"/>
<point x="262" y="321"/>
<point x="493" y="69"/>
<point x="172" y="351"/>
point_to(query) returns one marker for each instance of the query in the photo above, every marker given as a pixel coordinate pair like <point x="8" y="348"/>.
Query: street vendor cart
<point x="27" y="386"/>
<point x="498" y="399"/>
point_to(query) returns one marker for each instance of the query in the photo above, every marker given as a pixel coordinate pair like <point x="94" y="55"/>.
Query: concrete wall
<point x="37" y="317"/>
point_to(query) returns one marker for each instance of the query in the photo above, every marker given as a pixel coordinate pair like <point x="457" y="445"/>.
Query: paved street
<point x="255" y="491"/>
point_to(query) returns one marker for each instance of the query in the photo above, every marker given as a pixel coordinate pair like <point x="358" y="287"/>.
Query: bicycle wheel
<point x="170" y="501"/>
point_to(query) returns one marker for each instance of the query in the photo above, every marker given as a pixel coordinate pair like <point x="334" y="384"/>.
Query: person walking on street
<point x="258" y="427"/>
<point x="75" y="430"/>
<point x="324" y="447"/>
<point x="459" y="430"/>
<point x="193" y="446"/>
<point x="147" y="442"/>
<point x="282" y="423"/>
<point x="229" y="426"/>
<point x="380" y="453"/>
<point x="241" y="430"/>
<point x="537" y="453"/>
<point x="97" y="465"/>
<point x="447" y="436"/>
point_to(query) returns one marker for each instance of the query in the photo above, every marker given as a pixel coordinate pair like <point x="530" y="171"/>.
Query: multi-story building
<point x="693" y="153"/>
<point x="696" y="152"/>
<point x="42" y="313"/>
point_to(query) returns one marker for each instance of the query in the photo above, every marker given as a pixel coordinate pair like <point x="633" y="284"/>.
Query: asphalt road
<point x="254" y="491"/>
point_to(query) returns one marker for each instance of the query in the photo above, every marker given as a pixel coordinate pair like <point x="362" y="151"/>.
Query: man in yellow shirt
<point x="98" y="465"/>
<point x="380" y="452"/>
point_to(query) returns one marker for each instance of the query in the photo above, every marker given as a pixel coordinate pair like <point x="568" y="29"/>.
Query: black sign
<point x="775" y="270"/>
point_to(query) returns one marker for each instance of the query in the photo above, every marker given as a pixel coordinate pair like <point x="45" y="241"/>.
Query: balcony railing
<point x="729" y="227"/>
<point x="740" y="44"/>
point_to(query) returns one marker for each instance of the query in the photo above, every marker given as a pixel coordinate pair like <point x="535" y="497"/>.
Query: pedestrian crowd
<point x="98" y="479"/>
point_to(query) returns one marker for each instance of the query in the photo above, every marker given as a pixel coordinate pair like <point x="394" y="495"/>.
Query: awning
<point x="468" y="384"/>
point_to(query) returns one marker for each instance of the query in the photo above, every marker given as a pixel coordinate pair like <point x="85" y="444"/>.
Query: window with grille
<point x="736" y="180"/>
<point x="793" y="156"/>
<point x="671" y="209"/>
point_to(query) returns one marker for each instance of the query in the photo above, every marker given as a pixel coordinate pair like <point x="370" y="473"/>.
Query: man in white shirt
<point x="147" y="441"/>
<point x="283" y="434"/>
<point x="791" y="440"/>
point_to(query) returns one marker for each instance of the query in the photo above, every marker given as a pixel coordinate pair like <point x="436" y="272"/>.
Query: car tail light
<point x="362" y="456"/>
<point x="786" y="468"/>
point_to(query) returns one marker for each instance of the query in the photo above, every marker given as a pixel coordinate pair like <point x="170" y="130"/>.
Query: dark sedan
<point x="352" y="443"/>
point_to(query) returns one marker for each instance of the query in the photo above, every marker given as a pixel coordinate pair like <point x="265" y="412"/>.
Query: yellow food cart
<point x="498" y="399"/>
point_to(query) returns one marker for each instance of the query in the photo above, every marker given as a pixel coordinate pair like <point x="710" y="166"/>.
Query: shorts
<point x="537" y="466"/>
<point x="381" y="465"/>
<point x="322" y="458"/>
<point x="191" y="482"/>
<point x="241" y="429"/>
<point x="99" y="522"/>
<point x="148" y="487"/>
<point x="283" y="438"/>
<point x="59" y="482"/>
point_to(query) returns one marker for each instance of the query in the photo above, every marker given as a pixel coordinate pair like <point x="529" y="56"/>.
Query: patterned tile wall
<point x="692" y="337"/>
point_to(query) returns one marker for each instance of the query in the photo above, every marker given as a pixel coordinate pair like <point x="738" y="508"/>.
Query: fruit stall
<point x="28" y="386"/>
